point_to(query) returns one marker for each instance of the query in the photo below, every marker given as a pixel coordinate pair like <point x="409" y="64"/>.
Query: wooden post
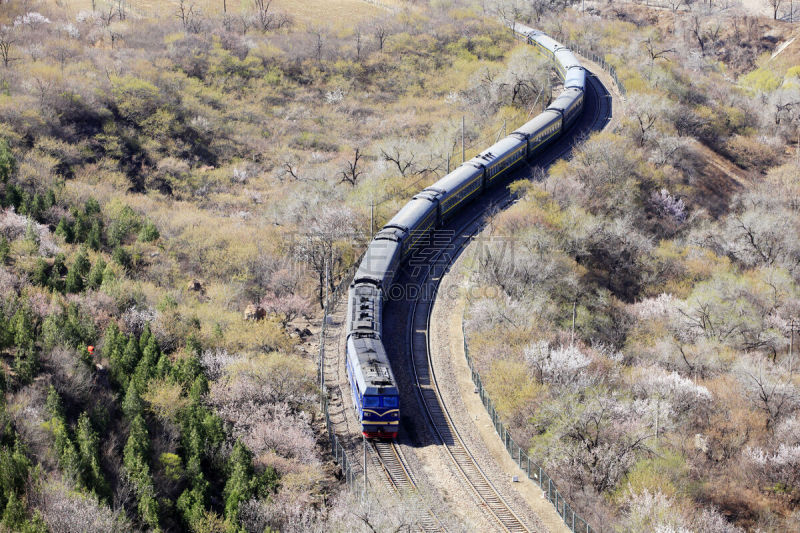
<point x="365" y="468"/>
<point x="462" y="138"/>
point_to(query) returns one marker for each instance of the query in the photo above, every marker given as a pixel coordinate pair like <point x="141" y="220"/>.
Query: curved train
<point x="374" y="389"/>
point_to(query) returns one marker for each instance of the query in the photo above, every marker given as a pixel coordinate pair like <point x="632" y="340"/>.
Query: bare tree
<point x="775" y="4"/>
<point x="106" y="18"/>
<point x="319" y="35"/>
<point x="266" y="20"/>
<point x="697" y="30"/>
<point x="655" y="53"/>
<point x="645" y="110"/>
<point x="353" y="172"/>
<point x="290" y="169"/>
<point x="188" y="15"/>
<point x="404" y="163"/>
<point x="322" y="248"/>
<point x="358" y="43"/>
<point x="121" y="9"/>
<point x="380" y="32"/>
<point x="774" y="395"/>
<point x="6" y="41"/>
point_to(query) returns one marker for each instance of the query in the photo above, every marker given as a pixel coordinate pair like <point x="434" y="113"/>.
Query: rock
<point x="196" y="285"/>
<point x="305" y="333"/>
<point x="254" y="312"/>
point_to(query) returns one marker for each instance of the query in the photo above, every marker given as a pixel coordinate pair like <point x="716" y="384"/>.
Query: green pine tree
<point x="137" y="447"/>
<point x="53" y="403"/>
<point x="7" y="162"/>
<point x="92" y="207"/>
<point x="95" y="237"/>
<point x="64" y="229"/>
<point x="41" y="272"/>
<point x="5" y="249"/>
<point x="240" y="480"/>
<point x="95" y="278"/>
<point x="132" y="405"/>
<point x="24" y="332"/>
<point x="88" y="448"/>
<point x="14" y="513"/>
<point x="78" y="272"/>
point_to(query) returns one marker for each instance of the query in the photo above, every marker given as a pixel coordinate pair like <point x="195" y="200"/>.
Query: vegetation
<point x="163" y="168"/>
<point x="634" y="316"/>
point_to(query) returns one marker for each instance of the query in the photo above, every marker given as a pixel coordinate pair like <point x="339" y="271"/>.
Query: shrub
<point x="7" y="162"/>
<point x="122" y="257"/>
<point x="149" y="232"/>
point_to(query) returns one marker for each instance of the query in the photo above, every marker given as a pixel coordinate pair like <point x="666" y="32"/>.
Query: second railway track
<point x="487" y="494"/>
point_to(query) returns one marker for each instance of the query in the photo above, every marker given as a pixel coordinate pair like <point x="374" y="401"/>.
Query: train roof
<point x="411" y="214"/>
<point x="379" y="260"/>
<point x="546" y="41"/>
<point x="564" y="100"/>
<point x="498" y="150"/>
<point x="364" y="309"/>
<point x="575" y="78"/>
<point x="542" y="120"/>
<point x="523" y="29"/>
<point x="372" y="373"/>
<point x="567" y="58"/>
<point x="457" y="177"/>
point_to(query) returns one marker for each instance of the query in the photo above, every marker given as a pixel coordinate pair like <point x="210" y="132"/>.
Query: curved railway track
<point x="418" y="316"/>
<point x="428" y="388"/>
<point x="415" y="316"/>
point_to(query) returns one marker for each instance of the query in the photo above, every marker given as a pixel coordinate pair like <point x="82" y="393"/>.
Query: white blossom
<point x="561" y="365"/>
<point x="662" y="305"/>
<point x="682" y="393"/>
<point x="335" y="96"/>
<point x="135" y="319"/>
<point x="216" y="361"/>
<point x="652" y="511"/>
<point x="71" y="30"/>
<point x="14" y="226"/>
<point x="84" y="16"/>
<point x="452" y="98"/>
<point x="31" y="19"/>
<point x="669" y="205"/>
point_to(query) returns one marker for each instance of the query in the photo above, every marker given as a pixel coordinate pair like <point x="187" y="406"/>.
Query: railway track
<point x="487" y="494"/>
<point x="397" y="474"/>
<point x="427" y="386"/>
<point x="399" y="477"/>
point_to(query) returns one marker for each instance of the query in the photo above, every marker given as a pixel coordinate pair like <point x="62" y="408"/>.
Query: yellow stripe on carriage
<point x="376" y="413"/>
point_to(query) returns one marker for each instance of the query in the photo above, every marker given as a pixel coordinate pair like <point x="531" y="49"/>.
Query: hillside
<point x="180" y="182"/>
<point x="634" y="315"/>
<point x="175" y="180"/>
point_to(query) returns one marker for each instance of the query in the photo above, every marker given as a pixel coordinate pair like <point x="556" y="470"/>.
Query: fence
<point x="337" y="450"/>
<point x="588" y="53"/>
<point x="533" y="470"/>
<point x="600" y="60"/>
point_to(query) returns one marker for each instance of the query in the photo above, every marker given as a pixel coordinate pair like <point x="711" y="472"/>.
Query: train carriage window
<point x="371" y="401"/>
<point x="390" y="401"/>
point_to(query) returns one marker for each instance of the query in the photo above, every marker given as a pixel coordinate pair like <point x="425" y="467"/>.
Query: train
<point x="374" y="389"/>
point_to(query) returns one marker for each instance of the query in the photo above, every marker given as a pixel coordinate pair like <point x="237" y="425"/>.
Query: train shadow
<point x="418" y="278"/>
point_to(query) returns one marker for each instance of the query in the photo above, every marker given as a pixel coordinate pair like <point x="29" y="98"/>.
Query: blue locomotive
<point x="374" y="389"/>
